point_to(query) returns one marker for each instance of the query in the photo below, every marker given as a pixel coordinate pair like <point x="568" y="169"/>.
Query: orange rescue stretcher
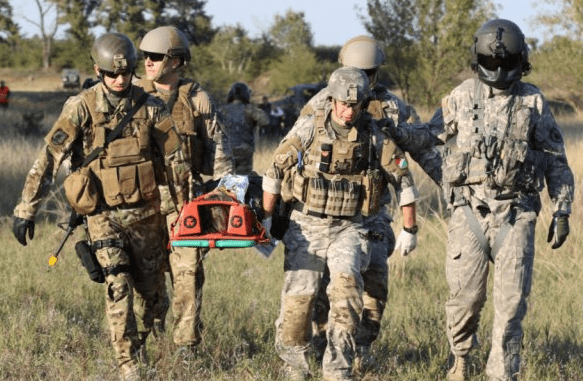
<point x="217" y="220"/>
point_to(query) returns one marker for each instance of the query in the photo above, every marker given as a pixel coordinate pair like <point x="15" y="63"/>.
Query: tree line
<point x="426" y="43"/>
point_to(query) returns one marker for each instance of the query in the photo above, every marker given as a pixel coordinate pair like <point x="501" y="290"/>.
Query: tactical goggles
<point x="154" y="57"/>
<point x="494" y="62"/>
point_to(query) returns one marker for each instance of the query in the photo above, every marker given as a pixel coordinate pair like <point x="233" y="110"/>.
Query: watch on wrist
<point x="412" y="230"/>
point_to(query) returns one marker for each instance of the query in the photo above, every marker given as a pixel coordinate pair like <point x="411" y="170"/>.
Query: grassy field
<point x="53" y="324"/>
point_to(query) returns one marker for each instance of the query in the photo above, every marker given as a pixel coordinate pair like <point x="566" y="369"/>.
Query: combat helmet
<point x="114" y="53"/>
<point x="500" y="53"/>
<point x="167" y="40"/>
<point x="239" y="91"/>
<point x="350" y="85"/>
<point x="362" y="52"/>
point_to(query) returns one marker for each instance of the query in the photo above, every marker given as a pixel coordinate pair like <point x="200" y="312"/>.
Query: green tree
<point x="48" y="25"/>
<point x="232" y="50"/>
<point x="297" y="66"/>
<point x="79" y="17"/>
<point x="291" y="31"/>
<point x="127" y="17"/>
<point x="567" y="20"/>
<point x="9" y="35"/>
<point x="8" y="29"/>
<point x="190" y="17"/>
<point x="426" y="42"/>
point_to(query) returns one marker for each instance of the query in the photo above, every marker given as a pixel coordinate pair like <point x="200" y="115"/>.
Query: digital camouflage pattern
<point x="343" y="248"/>
<point x="241" y="121"/>
<point x="132" y="253"/>
<point x="520" y="110"/>
<point x="417" y="141"/>
<point x="197" y="120"/>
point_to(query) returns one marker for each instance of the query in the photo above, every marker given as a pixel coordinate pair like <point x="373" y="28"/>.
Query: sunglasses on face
<point x="111" y="75"/>
<point x="154" y="57"/>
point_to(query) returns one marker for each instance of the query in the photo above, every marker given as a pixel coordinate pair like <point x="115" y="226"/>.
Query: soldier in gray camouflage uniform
<point x="393" y="114"/>
<point x="320" y="166"/>
<point x="166" y="55"/>
<point x="502" y="144"/>
<point x="242" y="118"/>
<point x="124" y="222"/>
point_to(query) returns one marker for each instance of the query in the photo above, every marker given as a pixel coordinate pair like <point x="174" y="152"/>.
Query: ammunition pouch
<point x="373" y="188"/>
<point x="89" y="261"/>
<point x="335" y="197"/>
<point x="81" y="191"/>
<point x="129" y="183"/>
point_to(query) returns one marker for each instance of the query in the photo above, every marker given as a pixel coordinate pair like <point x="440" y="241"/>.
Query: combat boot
<point x="458" y="370"/>
<point x="129" y="372"/>
<point x="363" y="360"/>
<point x="294" y="374"/>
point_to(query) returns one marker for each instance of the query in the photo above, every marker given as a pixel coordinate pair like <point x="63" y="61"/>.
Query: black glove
<point x="20" y="227"/>
<point x="559" y="229"/>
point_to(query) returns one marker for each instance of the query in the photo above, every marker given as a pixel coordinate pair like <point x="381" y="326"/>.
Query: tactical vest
<point x="185" y="116"/>
<point x="125" y="170"/>
<point x="330" y="181"/>
<point x="508" y="164"/>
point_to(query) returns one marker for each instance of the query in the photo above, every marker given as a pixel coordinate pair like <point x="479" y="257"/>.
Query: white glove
<point x="406" y="242"/>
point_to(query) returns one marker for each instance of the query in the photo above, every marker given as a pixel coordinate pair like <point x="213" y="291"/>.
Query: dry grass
<point x="53" y="324"/>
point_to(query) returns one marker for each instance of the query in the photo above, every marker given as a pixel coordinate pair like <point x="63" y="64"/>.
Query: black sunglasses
<point x="111" y="75"/>
<point x="154" y="57"/>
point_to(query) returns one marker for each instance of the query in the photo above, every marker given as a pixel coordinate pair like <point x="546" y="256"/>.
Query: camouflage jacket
<point x="399" y="121"/>
<point x="197" y="120"/>
<point x="74" y="135"/>
<point x="519" y="141"/>
<point x="304" y="131"/>
<point x="241" y="120"/>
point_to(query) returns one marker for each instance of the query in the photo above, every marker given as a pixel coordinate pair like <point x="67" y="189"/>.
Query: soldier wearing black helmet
<point x="502" y="145"/>
<point x="242" y="120"/>
<point x="166" y="54"/>
<point x="118" y="162"/>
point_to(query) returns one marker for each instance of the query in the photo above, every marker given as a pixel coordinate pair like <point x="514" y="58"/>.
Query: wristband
<point x="412" y="230"/>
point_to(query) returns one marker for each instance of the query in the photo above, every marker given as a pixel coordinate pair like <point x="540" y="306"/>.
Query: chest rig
<point x="330" y="180"/>
<point x="501" y="157"/>
<point x="125" y="168"/>
<point x="187" y="119"/>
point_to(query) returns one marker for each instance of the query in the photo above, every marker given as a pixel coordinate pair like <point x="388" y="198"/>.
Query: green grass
<point x="53" y="324"/>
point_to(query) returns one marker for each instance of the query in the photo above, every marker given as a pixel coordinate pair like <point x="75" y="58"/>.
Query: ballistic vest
<point x="125" y="169"/>
<point x="507" y="164"/>
<point x="330" y="182"/>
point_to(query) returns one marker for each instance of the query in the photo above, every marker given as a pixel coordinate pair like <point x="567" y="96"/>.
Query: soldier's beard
<point x="119" y="94"/>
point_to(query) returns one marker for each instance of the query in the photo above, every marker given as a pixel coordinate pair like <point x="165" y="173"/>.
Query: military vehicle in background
<point x="294" y="99"/>
<point x="71" y="79"/>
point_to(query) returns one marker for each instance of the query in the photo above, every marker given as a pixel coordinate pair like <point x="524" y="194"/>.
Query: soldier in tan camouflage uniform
<point x="166" y="53"/>
<point x="242" y="118"/>
<point x="394" y="116"/>
<point x="124" y="221"/>
<point x="502" y="145"/>
<point x="320" y="166"/>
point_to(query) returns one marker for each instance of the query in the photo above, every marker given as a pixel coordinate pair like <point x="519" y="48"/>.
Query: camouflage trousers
<point x="311" y="244"/>
<point x="381" y="243"/>
<point x="133" y="259"/>
<point x="467" y="270"/>
<point x="243" y="158"/>
<point x="187" y="280"/>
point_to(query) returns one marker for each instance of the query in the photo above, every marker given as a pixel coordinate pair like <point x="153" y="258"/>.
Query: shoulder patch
<point x="59" y="137"/>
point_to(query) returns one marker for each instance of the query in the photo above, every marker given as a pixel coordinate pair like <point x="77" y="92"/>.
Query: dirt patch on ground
<point x="34" y="80"/>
